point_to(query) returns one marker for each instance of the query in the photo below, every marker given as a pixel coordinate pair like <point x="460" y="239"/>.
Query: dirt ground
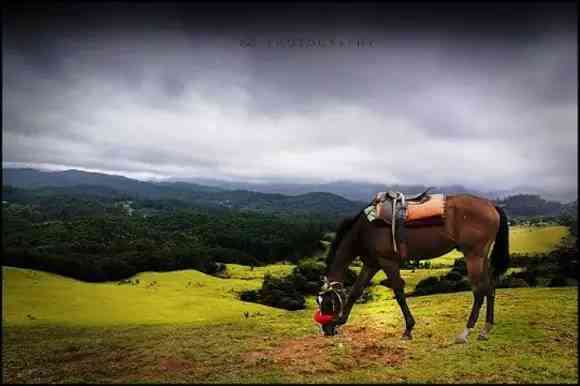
<point x="354" y="347"/>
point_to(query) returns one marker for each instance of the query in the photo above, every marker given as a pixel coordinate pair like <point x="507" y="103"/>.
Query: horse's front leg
<point x="362" y="281"/>
<point x="396" y="282"/>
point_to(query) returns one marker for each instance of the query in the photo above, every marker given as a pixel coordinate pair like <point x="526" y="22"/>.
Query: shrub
<point x="453" y="275"/>
<point x="518" y="283"/>
<point x="558" y="281"/>
<point x="250" y="296"/>
<point x="462" y="285"/>
<point x="310" y="269"/>
<point x="453" y="281"/>
<point x="426" y="286"/>
<point x="427" y="282"/>
<point x="530" y="277"/>
<point x="277" y="292"/>
<point x="288" y="292"/>
<point x="512" y="282"/>
<point x="552" y="269"/>
<point x="425" y="265"/>
<point x="460" y="266"/>
<point x="524" y="260"/>
<point x="291" y="304"/>
<point x="445" y="286"/>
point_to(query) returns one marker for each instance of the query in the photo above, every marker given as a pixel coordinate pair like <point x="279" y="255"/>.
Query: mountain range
<point x="364" y="191"/>
<point x="76" y="182"/>
<point x="335" y="199"/>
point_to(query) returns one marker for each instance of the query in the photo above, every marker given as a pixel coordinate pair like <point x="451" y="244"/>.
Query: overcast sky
<point x="479" y="96"/>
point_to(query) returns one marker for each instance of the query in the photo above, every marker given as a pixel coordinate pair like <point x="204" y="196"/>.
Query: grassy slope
<point x="243" y="272"/>
<point x="185" y="296"/>
<point x="170" y="297"/>
<point x="122" y="334"/>
<point x="190" y="327"/>
<point x="523" y="239"/>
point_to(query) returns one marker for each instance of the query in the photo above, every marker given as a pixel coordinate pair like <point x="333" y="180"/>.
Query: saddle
<point x="399" y="211"/>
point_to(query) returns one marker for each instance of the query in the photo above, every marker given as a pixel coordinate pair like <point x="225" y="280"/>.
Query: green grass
<point x="188" y="327"/>
<point x="523" y="239"/>
<point x="243" y="272"/>
<point x="109" y="333"/>
<point x="33" y="297"/>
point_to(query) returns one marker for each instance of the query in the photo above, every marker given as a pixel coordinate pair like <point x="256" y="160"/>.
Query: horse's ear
<point x="325" y="283"/>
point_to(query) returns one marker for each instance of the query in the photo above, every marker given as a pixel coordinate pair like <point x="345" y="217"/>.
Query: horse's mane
<point x="343" y="227"/>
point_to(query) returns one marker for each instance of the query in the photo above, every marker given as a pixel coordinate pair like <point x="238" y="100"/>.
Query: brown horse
<point x="471" y="224"/>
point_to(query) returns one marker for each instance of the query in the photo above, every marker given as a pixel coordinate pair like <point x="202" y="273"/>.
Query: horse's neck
<point x="345" y="251"/>
<point x="342" y="259"/>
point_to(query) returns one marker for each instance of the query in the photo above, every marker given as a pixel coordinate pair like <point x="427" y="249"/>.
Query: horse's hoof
<point x="482" y="337"/>
<point x="407" y="335"/>
<point x="460" y="340"/>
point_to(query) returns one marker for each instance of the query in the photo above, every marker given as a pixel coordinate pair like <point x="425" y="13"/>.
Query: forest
<point x="119" y="227"/>
<point x="94" y="240"/>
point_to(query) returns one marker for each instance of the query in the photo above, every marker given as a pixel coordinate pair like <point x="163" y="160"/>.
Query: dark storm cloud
<point x="483" y="95"/>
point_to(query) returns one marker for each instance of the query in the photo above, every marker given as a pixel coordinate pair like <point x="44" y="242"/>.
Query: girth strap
<point x="397" y="197"/>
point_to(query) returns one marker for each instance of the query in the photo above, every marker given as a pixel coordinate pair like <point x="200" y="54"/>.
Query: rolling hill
<point x="28" y="184"/>
<point x="186" y="327"/>
<point x="335" y="199"/>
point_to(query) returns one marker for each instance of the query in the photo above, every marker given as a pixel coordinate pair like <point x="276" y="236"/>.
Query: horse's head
<point x="330" y="299"/>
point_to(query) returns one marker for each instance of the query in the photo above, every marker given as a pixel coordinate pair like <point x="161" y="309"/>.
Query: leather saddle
<point x="399" y="211"/>
<point x="418" y="198"/>
<point x="419" y="210"/>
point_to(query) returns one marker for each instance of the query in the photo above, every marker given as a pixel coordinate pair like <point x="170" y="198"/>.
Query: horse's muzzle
<point x="329" y="329"/>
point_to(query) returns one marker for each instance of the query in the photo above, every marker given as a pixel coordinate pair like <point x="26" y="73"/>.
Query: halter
<point x="337" y="288"/>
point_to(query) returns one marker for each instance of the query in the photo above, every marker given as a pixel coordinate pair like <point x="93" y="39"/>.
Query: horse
<point x="471" y="224"/>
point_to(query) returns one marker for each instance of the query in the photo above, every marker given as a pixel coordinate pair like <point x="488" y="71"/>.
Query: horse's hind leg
<point x="479" y="278"/>
<point x="490" y="302"/>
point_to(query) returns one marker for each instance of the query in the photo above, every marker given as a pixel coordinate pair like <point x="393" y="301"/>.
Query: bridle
<point x="337" y="288"/>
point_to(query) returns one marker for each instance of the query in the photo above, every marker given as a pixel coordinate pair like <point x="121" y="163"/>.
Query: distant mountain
<point x="546" y="193"/>
<point x="530" y="205"/>
<point x="32" y="178"/>
<point x="571" y="208"/>
<point x="332" y="199"/>
<point x="356" y="191"/>
<point x="77" y="182"/>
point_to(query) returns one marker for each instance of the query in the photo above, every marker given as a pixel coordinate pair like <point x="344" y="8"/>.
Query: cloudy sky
<point x="478" y="96"/>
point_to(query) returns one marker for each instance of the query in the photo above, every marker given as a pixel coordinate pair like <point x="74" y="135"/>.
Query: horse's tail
<point x="500" y="255"/>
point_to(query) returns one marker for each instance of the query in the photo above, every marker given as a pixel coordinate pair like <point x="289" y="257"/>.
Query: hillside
<point x="147" y="298"/>
<point x="363" y="191"/>
<point x="355" y="191"/>
<point x="523" y="239"/>
<point x="531" y="205"/>
<point x="22" y="185"/>
<point x="174" y="333"/>
<point x="332" y="200"/>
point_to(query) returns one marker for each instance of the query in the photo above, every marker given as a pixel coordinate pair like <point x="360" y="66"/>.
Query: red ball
<point x="321" y="318"/>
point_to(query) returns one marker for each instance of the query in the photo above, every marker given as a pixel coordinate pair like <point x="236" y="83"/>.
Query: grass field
<point x="523" y="239"/>
<point x="188" y="327"/>
<point x="114" y="333"/>
<point x="33" y="297"/>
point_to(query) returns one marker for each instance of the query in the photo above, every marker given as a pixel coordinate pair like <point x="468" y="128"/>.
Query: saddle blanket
<point x="427" y="212"/>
